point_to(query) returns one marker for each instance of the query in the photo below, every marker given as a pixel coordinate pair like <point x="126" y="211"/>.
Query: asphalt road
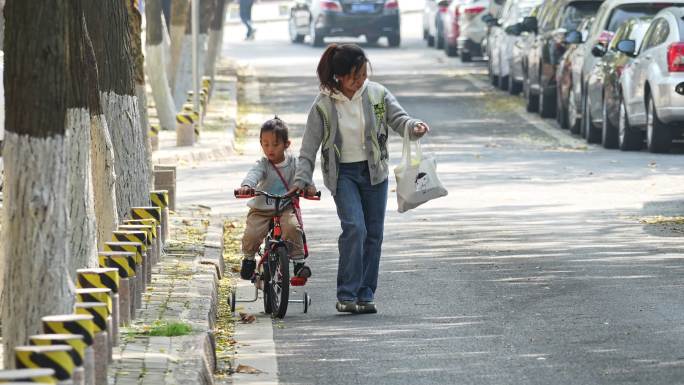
<point x="537" y="268"/>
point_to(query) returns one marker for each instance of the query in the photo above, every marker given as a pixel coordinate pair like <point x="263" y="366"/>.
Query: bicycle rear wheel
<point x="279" y="288"/>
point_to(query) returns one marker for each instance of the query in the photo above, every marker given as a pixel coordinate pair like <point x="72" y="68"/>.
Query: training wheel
<point x="232" y="302"/>
<point x="307" y="302"/>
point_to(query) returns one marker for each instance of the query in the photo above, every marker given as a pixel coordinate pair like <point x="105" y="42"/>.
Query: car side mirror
<point x="628" y="47"/>
<point x="515" y="29"/>
<point x="443" y="3"/>
<point x="530" y="24"/>
<point x="598" y="50"/>
<point x="573" y="37"/>
<point x="488" y="18"/>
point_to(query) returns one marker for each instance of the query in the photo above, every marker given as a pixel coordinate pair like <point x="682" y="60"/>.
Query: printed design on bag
<point x="422" y="182"/>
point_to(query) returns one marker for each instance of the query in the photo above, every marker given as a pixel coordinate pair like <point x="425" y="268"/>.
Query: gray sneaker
<point x="346" y="307"/>
<point x="366" y="307"/>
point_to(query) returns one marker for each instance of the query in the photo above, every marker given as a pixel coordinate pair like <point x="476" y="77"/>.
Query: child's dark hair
<point x="277" y="126"/>
<point x="339" y="60"/>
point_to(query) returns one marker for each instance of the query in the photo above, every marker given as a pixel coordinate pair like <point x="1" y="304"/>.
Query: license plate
<point x="363" y="8"/>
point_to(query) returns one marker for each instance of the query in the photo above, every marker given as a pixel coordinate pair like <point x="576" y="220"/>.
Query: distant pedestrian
<point x="349" y="122"/>
<point x="246" y="17"/>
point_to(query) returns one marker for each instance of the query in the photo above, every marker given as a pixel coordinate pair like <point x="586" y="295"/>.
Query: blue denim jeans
<point x="361" y="209"/>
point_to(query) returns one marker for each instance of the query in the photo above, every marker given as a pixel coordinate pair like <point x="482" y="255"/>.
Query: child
<point x="266" y="175"/>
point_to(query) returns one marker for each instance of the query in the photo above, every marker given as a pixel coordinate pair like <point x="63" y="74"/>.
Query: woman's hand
<point x="420" y="129"/>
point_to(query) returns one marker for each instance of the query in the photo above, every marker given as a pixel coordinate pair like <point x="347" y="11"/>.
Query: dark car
<point x="352" y="18"/>
<point x="603" y="84"/>
<point x="567" y="90"/>
<point x="555" y="20"/>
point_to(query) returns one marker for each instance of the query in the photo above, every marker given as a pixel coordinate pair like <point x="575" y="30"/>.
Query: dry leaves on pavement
<point x="247" y="318"/>
<point x="247" y="369"/>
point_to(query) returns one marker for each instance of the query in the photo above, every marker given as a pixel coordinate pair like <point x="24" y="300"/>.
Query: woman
<point x="349" y="122"/>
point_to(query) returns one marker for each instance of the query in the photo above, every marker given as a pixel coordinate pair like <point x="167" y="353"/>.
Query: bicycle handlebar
<point x="315" y="197"/>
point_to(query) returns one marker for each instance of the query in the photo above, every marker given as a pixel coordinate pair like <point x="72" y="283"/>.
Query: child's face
<point x="353" y="81"/>
<point x="273" y="147"/>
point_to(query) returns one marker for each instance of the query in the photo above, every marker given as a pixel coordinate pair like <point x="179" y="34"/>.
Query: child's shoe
<point x="301" y="270"/>
<point x="247" y="269"/>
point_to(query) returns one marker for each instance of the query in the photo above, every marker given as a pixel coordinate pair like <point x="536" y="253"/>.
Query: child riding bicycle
<point x="273" y="173"/>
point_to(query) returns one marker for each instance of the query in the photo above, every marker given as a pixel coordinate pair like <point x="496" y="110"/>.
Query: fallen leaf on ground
<point x="246" y="318"/>
<point x="247" y="369"/>
<point x="236" y="269"/>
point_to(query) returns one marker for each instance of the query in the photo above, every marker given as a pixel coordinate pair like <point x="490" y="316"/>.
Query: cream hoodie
<point x="351" y="125"/>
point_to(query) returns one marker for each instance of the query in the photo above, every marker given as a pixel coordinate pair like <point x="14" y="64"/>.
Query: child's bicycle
<point x="272" y="274"/>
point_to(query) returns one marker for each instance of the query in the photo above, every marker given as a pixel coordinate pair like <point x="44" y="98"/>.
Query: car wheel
<point x="658" y="134"/>
<point x="439" y="43"/>
<point x="450" y="50"/>
<point x="573" y="117"/>
<point x="591" y="134"/>
<point x="493" y="79"/>
<point x="316" y="37"/>
<point x="609" y="133"/>
<point x="430" y="41"/>
<point x="532" y="100"/>
<point x="629" y="139"/>
<point x="394" y="40"/>
<point x="372" y="39"/>
<point x="465" y="57"/>
<point x="546" y="103"/>
<point x="514" y="87"/>
<point x="503" y="82"/>
<point x="294" y="36"/>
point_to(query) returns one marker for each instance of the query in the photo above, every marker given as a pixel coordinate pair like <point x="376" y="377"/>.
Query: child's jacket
<point x="262" y="176"/>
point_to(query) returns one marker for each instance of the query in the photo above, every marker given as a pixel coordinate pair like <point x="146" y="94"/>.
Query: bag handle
<point x="295" y="200"/>
<point x="406" y="150"/>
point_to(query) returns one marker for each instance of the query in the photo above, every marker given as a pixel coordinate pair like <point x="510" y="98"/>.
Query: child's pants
<point x="256" y="229"/>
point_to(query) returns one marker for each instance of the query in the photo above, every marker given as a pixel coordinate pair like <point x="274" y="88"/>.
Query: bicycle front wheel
<point x="279" y="289"/>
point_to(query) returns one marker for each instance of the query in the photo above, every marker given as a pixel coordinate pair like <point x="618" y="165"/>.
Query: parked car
<point x="652" y="85"/>
<point x="326" y="18"/>
<point x="603" y="80"/>
<point x="518" y="63"/>
<point x="464" y="26"/>
<point x="554" y="21"/>
<point x="609" y="17"/>
<point x="451" y="29"/>
<point x="569" y="68"/>
<point x="433" y="30"/>
<point x="490" y="16"/>
<point x="501" y="42"/>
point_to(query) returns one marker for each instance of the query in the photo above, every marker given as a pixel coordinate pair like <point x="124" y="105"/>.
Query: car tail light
<point x="675" y="57"/>
<point x="329" y="5"/>
<point x="443" y="9"/>
<point x="392" y="4"/>
<point x="605" y="37"/>
<point x="473" y="10"/>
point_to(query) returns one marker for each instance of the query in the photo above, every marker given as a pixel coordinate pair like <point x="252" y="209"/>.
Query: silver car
<point x="653" y="84"/>
<point x="503" y="39"/>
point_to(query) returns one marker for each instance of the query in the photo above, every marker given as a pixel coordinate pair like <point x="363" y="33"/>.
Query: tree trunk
<point x="156" y="65"/>
<point x="183" y="79"/>
<point x="108" y="25"/>
<point x="179" y="14"/>
<point x="135" y="28"/>
<point x="44" y="58"/>
<point x="215" y="39"/>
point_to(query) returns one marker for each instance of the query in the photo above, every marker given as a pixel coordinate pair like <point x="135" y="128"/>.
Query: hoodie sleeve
<point x="397" y="117"/>
<point x="256" y="174"/>
<point x="311" y="142"/>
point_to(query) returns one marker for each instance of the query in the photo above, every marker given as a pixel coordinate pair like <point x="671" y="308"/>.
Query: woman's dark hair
<point x="277" y="126"/>
<point x="339" y="60"/>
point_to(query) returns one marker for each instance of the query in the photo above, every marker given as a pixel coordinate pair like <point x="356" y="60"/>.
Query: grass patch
<point x="662" y="220"/>
<point x="171" y="329"/>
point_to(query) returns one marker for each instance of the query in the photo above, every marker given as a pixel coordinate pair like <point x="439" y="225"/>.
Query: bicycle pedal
<point x="297" y="281"/>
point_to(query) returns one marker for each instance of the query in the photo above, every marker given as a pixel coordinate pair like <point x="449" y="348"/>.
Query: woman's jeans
<point x="361" y="209"/>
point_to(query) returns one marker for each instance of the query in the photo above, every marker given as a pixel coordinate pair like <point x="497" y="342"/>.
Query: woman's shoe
<point x="247" y="269"/>
<point x="346" y="306"/>
<point x="366" y="307"/>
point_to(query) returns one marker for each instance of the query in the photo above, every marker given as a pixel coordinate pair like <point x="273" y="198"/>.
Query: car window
<point x="653" y="33"/>
<point x="661" y="33"/>
<point x="639" y="31"/>
<point x="576" y="12"/>
<point x="622" y="33"/>
<point x="626" y="11"/>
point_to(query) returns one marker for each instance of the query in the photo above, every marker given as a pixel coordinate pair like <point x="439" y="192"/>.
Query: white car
<point x="464" y="27"/>
<point x="432" y="22"/>
<point x="652" y="84"/>
<point x="502" y="43"/>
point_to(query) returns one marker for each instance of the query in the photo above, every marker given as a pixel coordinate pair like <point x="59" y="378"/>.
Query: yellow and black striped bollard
<point x="207" y="85"/>
<point x="151" y="242"/>
<point x="135" y="281"/>
<point x="99" y="278"/>
<point x="160" y="198"/>
<point x="77" y="344"/>
<point x="102" y="295"/>
<point x="75" y="324"/>
<point x="154" y="136"/>
<point x="141" y="237"/>
<point x="185" y="128"/>
<point x="156" y="234"/>
<point x="33" y="376"/>
<point x="148" y="212"/>
<point x="121" y="305"/>
<point x="98" y="311"/>
<point x="57" y="357"/>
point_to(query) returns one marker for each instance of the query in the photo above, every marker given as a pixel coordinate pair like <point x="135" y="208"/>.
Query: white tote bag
<point x="417" y="180"/>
